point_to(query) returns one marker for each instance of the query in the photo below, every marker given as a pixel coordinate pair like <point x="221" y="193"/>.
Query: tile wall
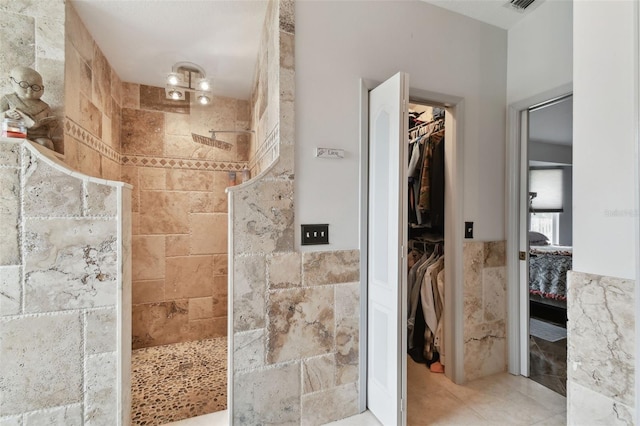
<point x="93" y="98"/>
<point x="296" y="337"/>
<point x="601" y="350"/>
<point x="64" y="284"/>
<point x="131" y="132"/>
<point x="485" y="309"/>
<point x="295" y="316"/>
<point x="33" y="35"/>
<point x="179" y="211"/>
<point x="266" y="100"/>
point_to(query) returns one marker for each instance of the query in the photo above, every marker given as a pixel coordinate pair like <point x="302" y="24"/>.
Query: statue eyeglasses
<point x="25" y="84"/>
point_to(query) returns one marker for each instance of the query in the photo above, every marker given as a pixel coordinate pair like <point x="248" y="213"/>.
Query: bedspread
<point x="548" y="273"/>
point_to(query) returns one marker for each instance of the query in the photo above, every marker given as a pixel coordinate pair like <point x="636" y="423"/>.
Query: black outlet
<point x="468" y="229"/>
<point x="315" y="234"/>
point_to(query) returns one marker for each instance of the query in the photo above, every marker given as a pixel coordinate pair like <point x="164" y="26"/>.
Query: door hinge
<point x="402" y="407"/>
<point x="522" y="255"/>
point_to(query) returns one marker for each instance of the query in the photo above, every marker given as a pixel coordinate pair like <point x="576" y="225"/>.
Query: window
<point x="545" y="190"/>
<point x="547" y="224"/>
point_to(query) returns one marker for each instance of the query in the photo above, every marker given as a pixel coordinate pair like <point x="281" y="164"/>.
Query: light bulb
<point x="175" y="94"/>
<point x="203" y="99"/>
<point x="203" y="84"/>
<point x="173" y="79"/>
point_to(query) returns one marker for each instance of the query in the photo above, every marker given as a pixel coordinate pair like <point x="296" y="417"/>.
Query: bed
<point x="548" y="266"/>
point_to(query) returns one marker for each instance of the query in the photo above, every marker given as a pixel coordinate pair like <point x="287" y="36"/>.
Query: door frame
<point x="454" y="303"/>
<point x="517" y="297"/>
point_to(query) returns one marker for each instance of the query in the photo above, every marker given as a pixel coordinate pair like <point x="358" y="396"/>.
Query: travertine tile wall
<point x="295" y="316"/>
<point x="33" y="35"/>
<point x="179" y="211"/>
<point x="601" y="350"/>
<point x="296" y="334"/>
<point x="265" y="99"/>
<point x="93" y="99"/>
<point x="64" y="285"/>
<point x="485" y="309"/>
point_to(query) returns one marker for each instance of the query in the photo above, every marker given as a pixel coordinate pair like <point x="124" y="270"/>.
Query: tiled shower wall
<point x="485" y="309"/>
<point x="266" y="97"/>
<point x="64" y="293"/>
<point x="33" y="35"/>
<point x="180" y="211"/>
<point x="131" y="132"/>
<point x="93" y="99"/>
<point x="601" y="350"/>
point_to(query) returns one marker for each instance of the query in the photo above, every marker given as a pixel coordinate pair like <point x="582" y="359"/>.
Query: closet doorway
<point x="385" y="242"/>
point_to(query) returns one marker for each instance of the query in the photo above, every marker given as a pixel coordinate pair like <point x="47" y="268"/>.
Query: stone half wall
<point x="601" y="350"/>
<point x="65" y="277"/>
<point x="294" y="331"/>
<point x="485" y="309"/>
<point x="295" y="343"/>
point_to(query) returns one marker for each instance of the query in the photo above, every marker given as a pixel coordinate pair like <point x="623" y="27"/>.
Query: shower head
<point x="212" y="141"/>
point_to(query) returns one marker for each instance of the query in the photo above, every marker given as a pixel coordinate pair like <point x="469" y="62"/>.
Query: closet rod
<point x="426" y="123"/>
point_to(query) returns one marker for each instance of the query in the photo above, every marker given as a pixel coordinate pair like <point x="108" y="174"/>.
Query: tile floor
<point x="548" y="363"/>
<point x="433" y="399"/>
<point x="178" y="381"/>
<point x="501" y="399"/>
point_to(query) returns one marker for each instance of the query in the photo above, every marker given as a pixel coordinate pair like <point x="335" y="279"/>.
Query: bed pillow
<point x="538" y="239"/>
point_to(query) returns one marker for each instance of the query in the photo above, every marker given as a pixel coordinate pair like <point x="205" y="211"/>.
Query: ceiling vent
<point x="519" y="5"/>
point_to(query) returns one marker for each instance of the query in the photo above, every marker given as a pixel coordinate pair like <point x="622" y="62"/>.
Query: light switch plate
<point x="315" y="234"/>
<point x="468" y="229"/>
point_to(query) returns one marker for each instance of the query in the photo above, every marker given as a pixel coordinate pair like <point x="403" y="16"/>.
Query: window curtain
<point x="547" y="186"/>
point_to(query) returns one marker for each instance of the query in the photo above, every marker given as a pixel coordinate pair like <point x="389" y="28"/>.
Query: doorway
<point x="538" y="253"/>
<point x="550" y="239"/>
<point x="385" y="334"/>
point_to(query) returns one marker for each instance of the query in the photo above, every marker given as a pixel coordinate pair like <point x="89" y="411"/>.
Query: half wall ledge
<point x="65" y="291"/>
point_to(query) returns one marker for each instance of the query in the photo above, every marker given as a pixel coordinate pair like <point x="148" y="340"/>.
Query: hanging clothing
<point x="431" y="198"/>
<point x="416" y="275"/>
<point x="431" y="306"/>
<point x="426" y="176"/>
<point x="437" y="182"/>
<point x="439" y="340"/>
<point x="425" y="280"/>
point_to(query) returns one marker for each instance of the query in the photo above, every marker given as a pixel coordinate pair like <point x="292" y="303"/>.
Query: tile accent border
<point x="73" y="129"/>
<point x="81" y="134"/>
<point x="267" y="152"/>
<point x="182" y="163"/>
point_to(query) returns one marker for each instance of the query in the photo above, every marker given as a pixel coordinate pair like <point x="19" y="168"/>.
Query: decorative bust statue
<point x="25" y="104"/>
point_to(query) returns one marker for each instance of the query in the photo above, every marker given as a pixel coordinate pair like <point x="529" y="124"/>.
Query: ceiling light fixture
<point x="173" y="79"/>
<point x="188" y="77"/>
<point x="175" y="94"/>
<point x="204" y="84"/>
<point x="203" y="99"/>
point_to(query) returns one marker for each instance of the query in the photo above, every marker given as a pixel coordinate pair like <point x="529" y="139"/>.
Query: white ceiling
<point x="142" y="39"/>
<point x="494" y="12"/>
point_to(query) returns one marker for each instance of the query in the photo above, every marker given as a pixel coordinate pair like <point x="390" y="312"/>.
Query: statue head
<point x="26" y="83"/>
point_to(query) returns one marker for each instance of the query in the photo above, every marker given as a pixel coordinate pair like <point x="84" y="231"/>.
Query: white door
<point x="524" y="243"/>
<point x="388" y="124"/>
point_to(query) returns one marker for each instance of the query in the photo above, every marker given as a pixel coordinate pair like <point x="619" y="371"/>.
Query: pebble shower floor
<point x="175" y="382"/>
